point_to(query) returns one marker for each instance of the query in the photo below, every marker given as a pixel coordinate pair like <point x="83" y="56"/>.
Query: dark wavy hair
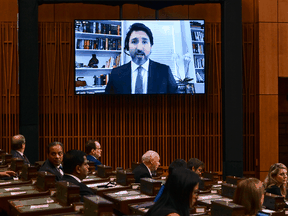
<point x="176" y="164"/>
<point x="138" y="27"/>
<point x="89" y="145"/>
<point x="195" y="162"/>
<point x="177" y="192"/>
<point x="71" y="159"/>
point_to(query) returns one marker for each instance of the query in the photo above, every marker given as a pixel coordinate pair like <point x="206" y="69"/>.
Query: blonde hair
<point x="270" y="179"/>
<point x="249" y="194"/>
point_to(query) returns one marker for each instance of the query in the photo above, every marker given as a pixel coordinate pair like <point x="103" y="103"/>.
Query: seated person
<point x="276" y="180"/>
<point x="175" y="164"/>
<point x="54" y="161"/>
<point x="179" y="195"/>
<point x="93" y="151"/>
<point x="18" y="145"/>
<point x="196" y="165"/>
<point x="75" y="170"/>
<point x="250" y="194"/>
<point x="150" y="163"/>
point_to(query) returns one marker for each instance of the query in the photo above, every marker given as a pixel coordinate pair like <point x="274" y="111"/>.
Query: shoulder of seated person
<point x="173" y="214"/>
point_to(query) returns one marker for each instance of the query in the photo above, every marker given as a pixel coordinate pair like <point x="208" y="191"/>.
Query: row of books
<point x="95" y="27"/>
<point x="197" y="36"/>
<point x="198" y="48"/>
<point x="199" y="62"/>
<point x="195" y="24"/>
<point x="99" y="44"/>
<point x="113" y="62"/>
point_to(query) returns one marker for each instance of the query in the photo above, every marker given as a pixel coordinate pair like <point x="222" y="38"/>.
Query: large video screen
<point x="140" y="57"/>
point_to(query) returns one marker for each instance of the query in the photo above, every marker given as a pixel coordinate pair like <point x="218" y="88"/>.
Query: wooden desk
<point x="233" y="179"/>
<point x="220" y="208"/>
<point x="206" y="199"/>
<point x="18" y="192"/>
<point x="121" y="199"/>
<point x="104" y="187"/>
<point x="140" y="208"/>
<point x="228" y="190"/>
<point x="104" y="171"/>
<point x="124" y="177"/>
<point x="213" y="176"/>
<point x="274" y="202"/>
<point x="94" y="179"/>
<point x="150" y="186"/>
<point x="96" y="205"/>
<point x="12" y="183"/>
<point x="37" y="206"/>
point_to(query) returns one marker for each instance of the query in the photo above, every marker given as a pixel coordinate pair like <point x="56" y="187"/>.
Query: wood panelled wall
<point x="177" y="126"/>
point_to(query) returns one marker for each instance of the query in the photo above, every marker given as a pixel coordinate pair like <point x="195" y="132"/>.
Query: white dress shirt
<point x="134" y="73"/>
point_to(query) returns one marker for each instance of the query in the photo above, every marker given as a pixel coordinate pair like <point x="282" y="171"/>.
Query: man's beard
<point x="139" y="57"/>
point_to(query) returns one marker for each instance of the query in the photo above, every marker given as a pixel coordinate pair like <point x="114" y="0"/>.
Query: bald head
<point x="18" y="142"/>
<point x="151" y="159"/>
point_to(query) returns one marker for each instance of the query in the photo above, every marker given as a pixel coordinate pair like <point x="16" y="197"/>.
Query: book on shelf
<point x="198" y="48"/>
<point x="197" y="36"/>
<point x="84" y="26"/>
<point x="199" y="63"/>
<point x="99" y="44"/>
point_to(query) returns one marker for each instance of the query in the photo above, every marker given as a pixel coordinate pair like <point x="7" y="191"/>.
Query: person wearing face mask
<point x="250" y="194"/>
<point x="142" y="75"/>
<point x="276" y="180"/>
<point x="150" y="163"/>
<point x="93" y="151"/>
<point x="179" y="195"/>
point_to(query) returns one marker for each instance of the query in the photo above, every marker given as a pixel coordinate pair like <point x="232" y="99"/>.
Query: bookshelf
<point x="198" y="47"/>
<point x="101" y="38"/>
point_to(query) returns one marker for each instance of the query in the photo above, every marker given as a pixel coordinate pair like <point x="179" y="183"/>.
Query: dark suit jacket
<point x="16" y="154"/>
<point x="160" y="79"/>
<point x="93" y="159"/>
<point x="141" y="171"/>
<point x="84" y="190"/>
<point x="49" y="167"/>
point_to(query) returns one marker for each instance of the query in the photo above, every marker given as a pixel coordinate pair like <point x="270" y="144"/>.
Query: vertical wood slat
<point x="9" y="88"/>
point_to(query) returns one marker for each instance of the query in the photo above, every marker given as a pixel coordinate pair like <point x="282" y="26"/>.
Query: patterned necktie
<point x="139" y="82"/>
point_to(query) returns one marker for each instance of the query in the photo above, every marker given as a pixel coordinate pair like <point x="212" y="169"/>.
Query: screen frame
<point x="123" y="36"/>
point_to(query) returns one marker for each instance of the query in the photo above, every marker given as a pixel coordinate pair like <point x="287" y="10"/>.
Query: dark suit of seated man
<point x="75" y="167"/>
<point x="54" y="161"/>
<point x="93" y="151"/>
<point x="150" y="163"/>
<point x="18" y="145"/>
<point x="141" y="75"/>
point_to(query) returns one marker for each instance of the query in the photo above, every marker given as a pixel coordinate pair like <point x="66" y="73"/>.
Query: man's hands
<point x="7" y="173"/>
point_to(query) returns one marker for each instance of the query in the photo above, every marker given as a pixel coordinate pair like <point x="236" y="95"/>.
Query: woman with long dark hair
<point x="179" y="195"/>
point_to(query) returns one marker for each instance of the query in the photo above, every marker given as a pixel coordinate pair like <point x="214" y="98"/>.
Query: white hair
<point x="148" y="156"/>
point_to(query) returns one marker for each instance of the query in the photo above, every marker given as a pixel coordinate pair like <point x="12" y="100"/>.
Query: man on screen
<point x="142" y="75"/>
